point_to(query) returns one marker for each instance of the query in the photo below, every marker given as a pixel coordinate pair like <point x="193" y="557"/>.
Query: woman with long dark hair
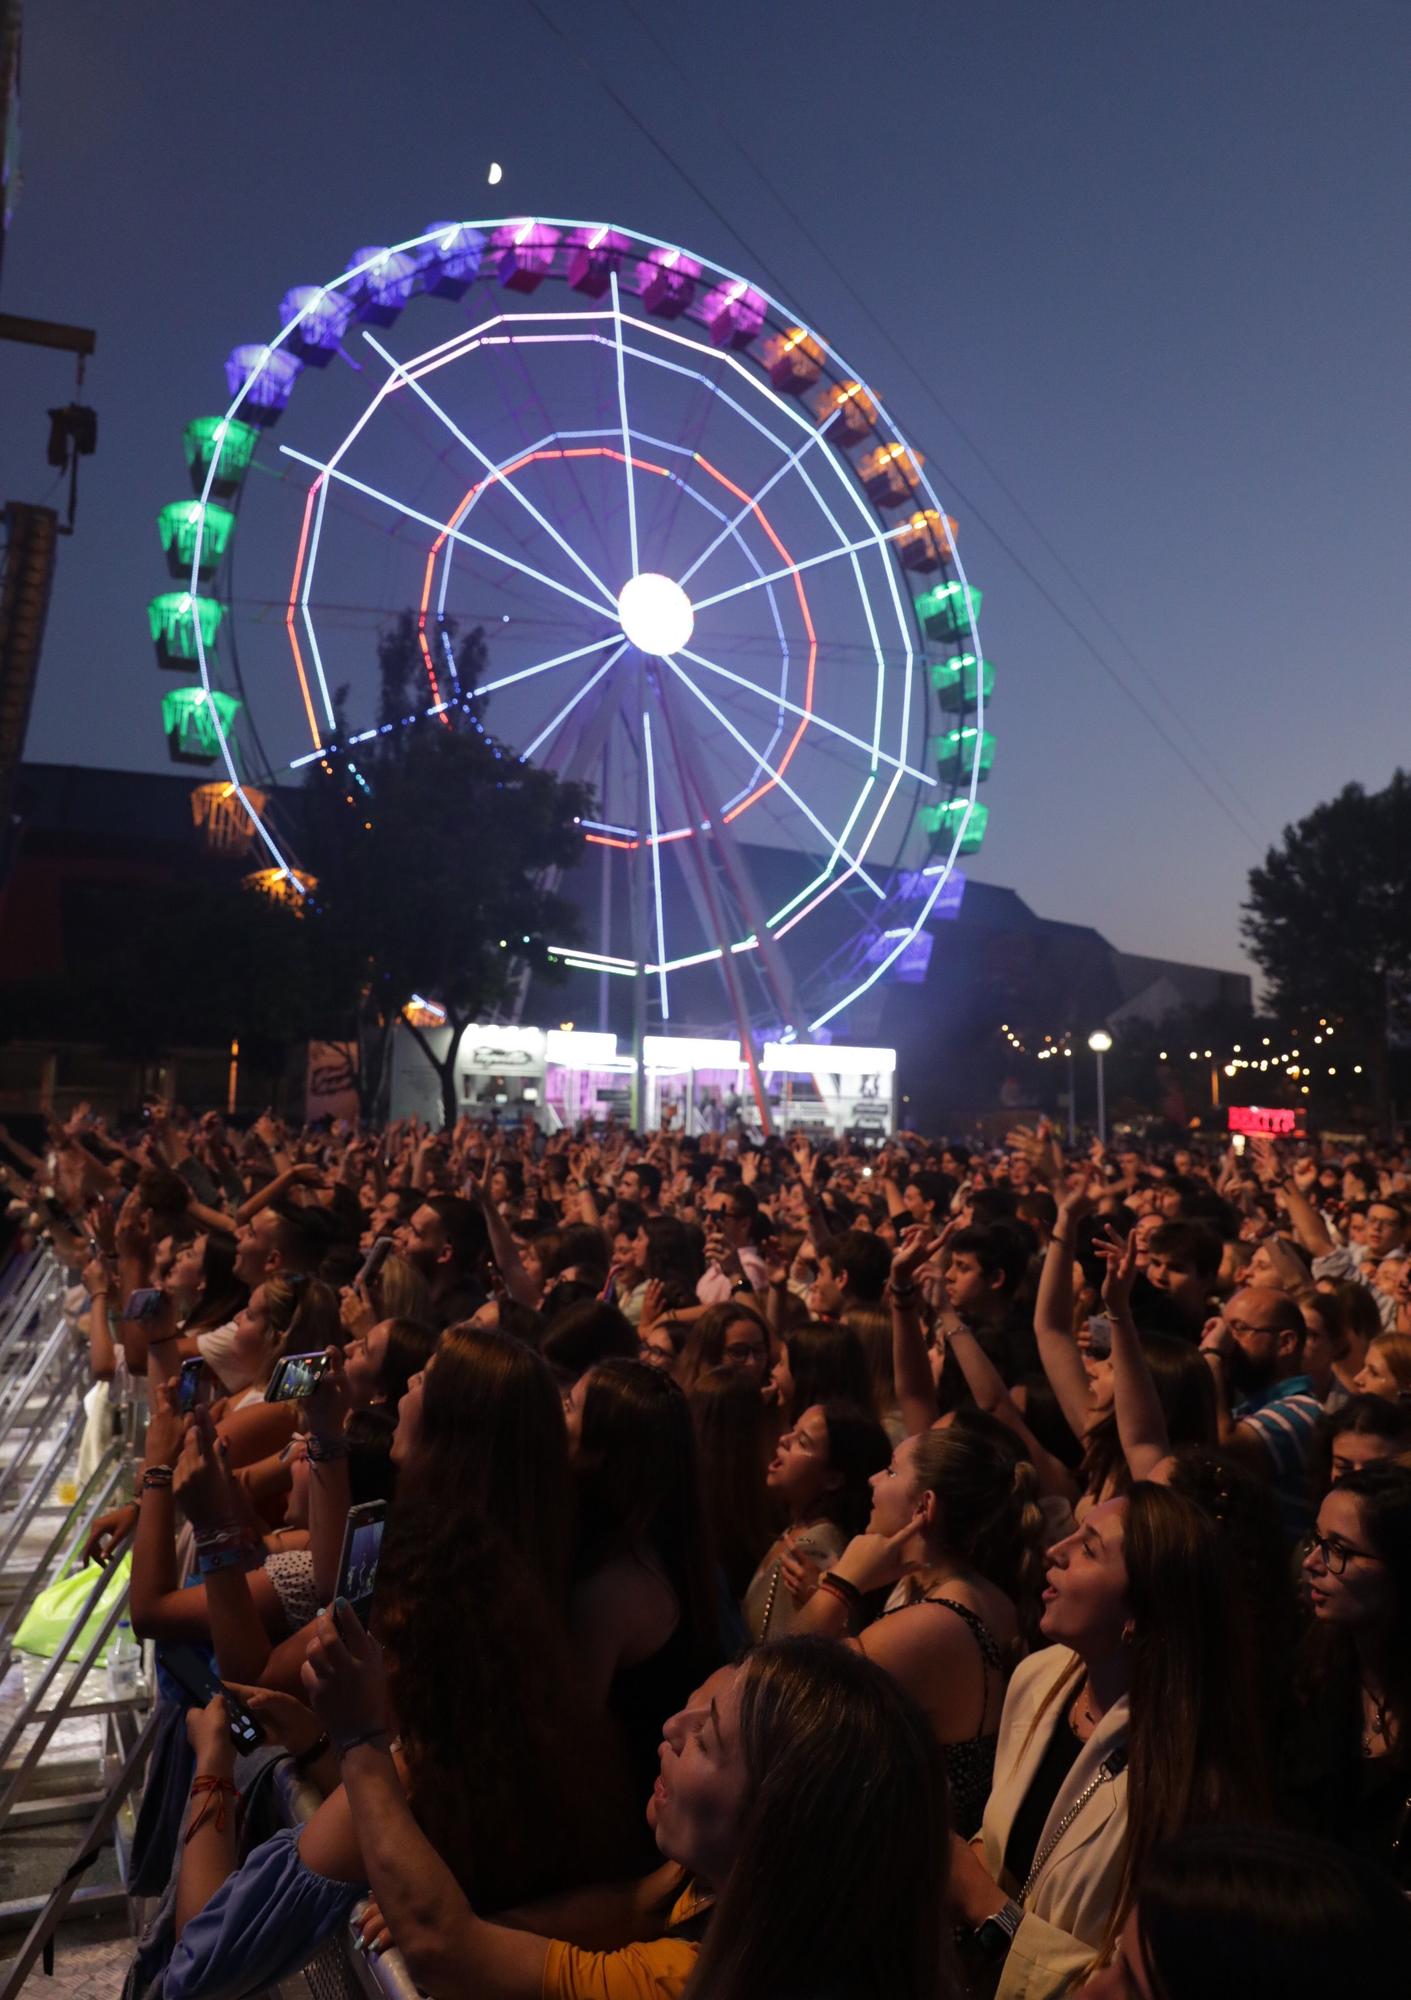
<point x="731" y="1441"/>
<point x="1348" y="1768"/>
<point x="821" y="1361"/>
<point x="805" y="1796"/>
<point x="503" y="1770"/>
<point x="821" y="1475"/>
<point x="1141" y="1717"/>
<point x="730" y="1335"/>
<point x="484" y="1422"/>
<point x="643" y="1608"/>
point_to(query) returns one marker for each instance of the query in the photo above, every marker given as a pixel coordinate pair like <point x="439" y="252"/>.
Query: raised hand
<point x="1119" y="1253"/>
<point x="918" y="1243"/>
<point x="343" y="1675"/>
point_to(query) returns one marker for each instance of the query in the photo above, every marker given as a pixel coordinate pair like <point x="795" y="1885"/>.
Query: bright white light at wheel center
<point x="656" y="613"/>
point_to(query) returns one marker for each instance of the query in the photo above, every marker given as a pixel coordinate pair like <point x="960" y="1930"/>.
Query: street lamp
<point x="1099" y="1041"/>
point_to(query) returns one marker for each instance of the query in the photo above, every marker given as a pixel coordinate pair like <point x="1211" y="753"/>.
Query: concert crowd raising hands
<point x="737" y="1567"/>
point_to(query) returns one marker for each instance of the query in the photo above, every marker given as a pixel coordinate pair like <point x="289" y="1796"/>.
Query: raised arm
<point x="503" y="1248"/>
<point x="1053" y="1310"/>
<point x="449" y="1950"/>
<point x="1141" y="1421"/>
<point x="911" y="1364"/>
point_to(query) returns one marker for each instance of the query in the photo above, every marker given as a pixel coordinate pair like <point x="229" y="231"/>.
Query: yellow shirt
<point x="657" y="1970"/>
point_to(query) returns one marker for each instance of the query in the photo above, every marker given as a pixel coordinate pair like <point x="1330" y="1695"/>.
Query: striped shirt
<point x="1286" y="1422"/>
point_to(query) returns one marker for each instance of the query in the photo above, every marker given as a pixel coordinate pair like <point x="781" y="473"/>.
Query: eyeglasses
<point x="1334" y="1555"/>
<point x="1239" y="1326"/>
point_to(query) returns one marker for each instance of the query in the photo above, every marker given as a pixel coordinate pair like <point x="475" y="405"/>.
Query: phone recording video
<point x="362" y="1545"/>
<point x="143" y="1303"/>
<point x="372" y="1264"/>
<point x="295" y="1377"/>
<point x="198" y="1680"/>
<point x="188" y="1386"/>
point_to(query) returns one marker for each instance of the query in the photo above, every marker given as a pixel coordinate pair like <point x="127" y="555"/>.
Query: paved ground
<point x="90" y="1962"/>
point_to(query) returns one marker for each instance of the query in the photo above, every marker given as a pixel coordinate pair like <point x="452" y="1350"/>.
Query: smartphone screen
<point x="295" y="1377"/>
<point x="142" y="1303"/>
<point x="196" y="1678"/>
<point x="362" y="1545"/>
<point x="188" y="1388"/>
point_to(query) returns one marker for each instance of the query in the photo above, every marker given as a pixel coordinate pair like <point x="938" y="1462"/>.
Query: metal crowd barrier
<point x="44" y="1375"/>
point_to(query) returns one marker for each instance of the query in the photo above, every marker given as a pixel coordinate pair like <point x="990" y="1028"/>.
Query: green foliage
<point x="1328" y="918"/>
<point x="433" y="881"/>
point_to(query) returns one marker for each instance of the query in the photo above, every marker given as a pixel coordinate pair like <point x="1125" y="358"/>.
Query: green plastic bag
<point x="48" y="1619"/>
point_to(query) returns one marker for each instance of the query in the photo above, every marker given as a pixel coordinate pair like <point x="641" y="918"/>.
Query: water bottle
<point x="124" y="1664"/>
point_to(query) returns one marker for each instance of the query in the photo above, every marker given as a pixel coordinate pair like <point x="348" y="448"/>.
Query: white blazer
<point x="1071" y="1899"/>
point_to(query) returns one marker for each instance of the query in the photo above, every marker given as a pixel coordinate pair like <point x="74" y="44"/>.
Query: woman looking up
<point x="1140" y="1718"/>
<point x="821" y="1474"/>
<point x="954" y="1536"/>
<point x="807" y="1797"/>
<point x="1348" y="1770"/>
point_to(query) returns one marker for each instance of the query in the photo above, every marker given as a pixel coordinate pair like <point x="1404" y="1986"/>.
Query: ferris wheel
<point x="714" y="580"/>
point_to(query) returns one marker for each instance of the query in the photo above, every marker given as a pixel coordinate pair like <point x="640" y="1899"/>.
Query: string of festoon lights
<point x="1297" y="1065"/>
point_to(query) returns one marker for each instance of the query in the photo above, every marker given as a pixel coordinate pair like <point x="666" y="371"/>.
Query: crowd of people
<point x="807" y="1569"/>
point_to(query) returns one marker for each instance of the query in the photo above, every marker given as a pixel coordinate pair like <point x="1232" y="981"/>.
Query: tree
<point x="436" y="879"/>
<point x="1328" y="920"/>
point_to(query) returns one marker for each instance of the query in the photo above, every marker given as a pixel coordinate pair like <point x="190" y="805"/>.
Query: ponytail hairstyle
<point x="837" y="1888"/>
<point x="987" y="1495"/>
<point x="303" y="1313"/>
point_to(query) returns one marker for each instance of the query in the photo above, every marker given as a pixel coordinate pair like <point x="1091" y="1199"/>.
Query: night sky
<point x="1144" y="296"/>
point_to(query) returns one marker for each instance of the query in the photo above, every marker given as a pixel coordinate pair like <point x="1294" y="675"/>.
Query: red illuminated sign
<point x="1273" y="1119"/>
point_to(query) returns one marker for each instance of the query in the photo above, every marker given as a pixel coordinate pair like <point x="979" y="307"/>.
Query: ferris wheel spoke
<point x="626" y="430"/>
<point x="444" y="528"/>
<point x="809" y="562"/>
<point x="811" y="715"/>
<point x="482" y="458"/>
<point x="559" y="660"/>
<point x="835" y="843"/>
<point x="773" y="480"/>
<point x="547" y="731"/>
<point x="656" y="861"/>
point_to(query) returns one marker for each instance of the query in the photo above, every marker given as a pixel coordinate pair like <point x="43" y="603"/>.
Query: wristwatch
<point x="996" y="1934"/>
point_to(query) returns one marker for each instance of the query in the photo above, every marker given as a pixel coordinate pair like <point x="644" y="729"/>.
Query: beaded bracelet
<point x="156" y="1478"/>
<point x="322" y="1451"/>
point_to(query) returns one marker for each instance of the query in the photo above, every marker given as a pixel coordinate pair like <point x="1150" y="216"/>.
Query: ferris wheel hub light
<point x="656" y="613"/>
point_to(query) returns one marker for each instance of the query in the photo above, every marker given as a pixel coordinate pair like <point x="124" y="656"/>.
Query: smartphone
<point x="144" y="1303"/>
<point x="188" y="1386"/>
<point x="195" y="1677"/>
<point x="376" y="1257"/>
<point x="295" y="1377"/>
<point x="1099" y="1336"/>
<point x="1237" y="1141"/>
<point x="362" y="1545"/>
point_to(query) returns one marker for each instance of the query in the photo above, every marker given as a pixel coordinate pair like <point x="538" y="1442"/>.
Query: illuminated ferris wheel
<point x="714" y="580"/>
